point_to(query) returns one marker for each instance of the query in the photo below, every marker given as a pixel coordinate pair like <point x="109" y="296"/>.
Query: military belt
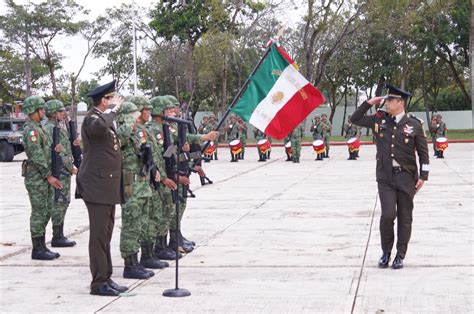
<point x="137" y="177"/>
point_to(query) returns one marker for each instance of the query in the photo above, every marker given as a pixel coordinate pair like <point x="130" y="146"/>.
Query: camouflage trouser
<point x="59" y="208"/>
<point x="156" y="221"/>
<point x="182" y="208"/>
<point x="135" y="213"/>
<point x="39" y="192"/>
<point x="326" y="142"/>
<point x="243" y="140"/>
<point x="296" y="147"/>
<point x="168" y="212"/>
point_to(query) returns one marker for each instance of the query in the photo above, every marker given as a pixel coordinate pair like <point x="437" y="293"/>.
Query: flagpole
<point x="239" y="94"/>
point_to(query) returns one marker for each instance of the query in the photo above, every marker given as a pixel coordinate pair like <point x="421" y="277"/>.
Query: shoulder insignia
<point x="416" y="118"/>
<point x="141" y="136"/>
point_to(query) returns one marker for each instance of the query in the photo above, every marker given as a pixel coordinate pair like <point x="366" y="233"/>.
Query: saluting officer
<point x="398" y="137"/>
<point x="98" y="184"/>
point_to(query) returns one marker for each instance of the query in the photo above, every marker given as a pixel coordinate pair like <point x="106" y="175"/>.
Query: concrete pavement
<point x="271" y="237"/>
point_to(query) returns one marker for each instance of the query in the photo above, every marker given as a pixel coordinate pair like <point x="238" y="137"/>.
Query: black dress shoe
<point x="116" y="286"/>
<point x="105" y="290"/>
<point x="384" y="260"/>
<point x="397" y="262"/>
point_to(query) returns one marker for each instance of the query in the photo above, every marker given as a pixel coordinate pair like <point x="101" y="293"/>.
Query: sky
<point x="74" y="48"/>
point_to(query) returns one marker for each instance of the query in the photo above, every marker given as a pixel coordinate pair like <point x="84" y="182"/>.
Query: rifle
<point x="148" y="164"/>
<point x="76" y="150"/>
<point x="196" y="148"/>
<point x="57" y="164"/>
<point x="170" y="161"/>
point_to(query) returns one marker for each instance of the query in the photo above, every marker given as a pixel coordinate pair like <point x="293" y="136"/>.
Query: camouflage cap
<point x="53" y="106"/>
<point x="172" y="100"/>
<point x="33" y="103"/>
<point x="159" y="104"/>
<point x="142" y="102"/>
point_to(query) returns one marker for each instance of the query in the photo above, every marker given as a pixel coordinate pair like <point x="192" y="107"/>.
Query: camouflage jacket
<point x="37" y="148"/>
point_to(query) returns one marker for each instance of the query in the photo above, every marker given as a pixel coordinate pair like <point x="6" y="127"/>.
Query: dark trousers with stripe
<point x="396" y="199"/>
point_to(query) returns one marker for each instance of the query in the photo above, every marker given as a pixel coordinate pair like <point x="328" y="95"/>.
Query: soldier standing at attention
<point x="212" y="125"/>
<point x="56" y="114"/>
<point x="203" y="125"/>
<point x="232" y="130"/>
<point x="399" y="136"/>
<point x="438" y="129"/>
<point x="137" y="191"/>
<point x="39" y="181"/>
<point x="295" y="138"/>
<point x="351" y="131"/>
<point x="98" y="184"/>
<point x="164" y="202"/>
<point x="243" y="136"/>
<point x="327" y="128"/>
<point x="259" y="135"/>
<point x="317" y="128"/>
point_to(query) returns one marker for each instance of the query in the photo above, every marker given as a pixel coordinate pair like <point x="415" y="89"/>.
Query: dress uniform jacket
<point x="395" y="141"/>
<point x="99" y="177"/>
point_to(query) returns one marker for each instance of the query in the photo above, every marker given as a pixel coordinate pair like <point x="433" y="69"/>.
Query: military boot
<point x="43" y="241"/>
<point x="162" y="251"/>
<point x="186" y="241"/>
<point x="39" y="252"/>
<point x="59" y="240"/>
<point x="215" y="156"/>
<point x="288" y="158"/>
<point x="441" y="154"/>
<point x="262" y="158"/>
<point x="268" y="154"/>
<point x="133" y="269"/>
<point x="182" y="248"/>
<point x="148" y="258"/>
<point x="320" y="157"/>
<point x="234" y="158"/>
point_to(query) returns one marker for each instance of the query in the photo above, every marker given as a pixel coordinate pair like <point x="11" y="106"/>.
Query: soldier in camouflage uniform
<point x="327" y="128"/>
<point x="137" y="192"/>
<point x="318" y="129"/>
<point x="232" y="130"/>
<point x="204" y="123"/>
<point x="351" y="130"/>
<point x="56" y="114"/>
<point x="259" y="135"/>
<point x="243" y="136"/>
<point x="39" y="181"/>
<point x="438" y="129"/>
<point x="295" y="138"/>
<point x="184" y="245"/>
<point x="165" y="202"/>
<point x="212" y="125"/>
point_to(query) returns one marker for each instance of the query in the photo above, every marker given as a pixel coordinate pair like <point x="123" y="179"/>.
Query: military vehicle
<point x="11" y="137"/>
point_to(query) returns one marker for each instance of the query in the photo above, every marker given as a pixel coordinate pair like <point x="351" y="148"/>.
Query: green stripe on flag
<point x="261" y="83"/>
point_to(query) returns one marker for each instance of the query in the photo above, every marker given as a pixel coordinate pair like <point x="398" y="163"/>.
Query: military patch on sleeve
<point x="33" y="136"/>
<point x="141" y="136"/>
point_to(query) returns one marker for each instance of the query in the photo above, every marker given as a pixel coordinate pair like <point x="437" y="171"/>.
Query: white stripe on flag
<point x="289" y="82"/>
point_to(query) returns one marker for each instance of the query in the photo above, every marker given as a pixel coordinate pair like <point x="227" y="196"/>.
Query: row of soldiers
<point x="148" y="180"/>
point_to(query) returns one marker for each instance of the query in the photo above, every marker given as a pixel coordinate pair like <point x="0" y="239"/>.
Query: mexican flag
<point x="277" y="97"/>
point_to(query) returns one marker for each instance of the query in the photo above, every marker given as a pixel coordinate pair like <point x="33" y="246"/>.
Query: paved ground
<point x="272" y="237"/>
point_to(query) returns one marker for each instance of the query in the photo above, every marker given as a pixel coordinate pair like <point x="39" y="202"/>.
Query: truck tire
<point x="7" y="151"/>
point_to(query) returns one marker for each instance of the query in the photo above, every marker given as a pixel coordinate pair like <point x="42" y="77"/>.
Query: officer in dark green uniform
<point x="398" y="137"/>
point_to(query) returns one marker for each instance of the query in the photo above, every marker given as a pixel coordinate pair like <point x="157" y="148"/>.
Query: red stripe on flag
<point x="295" y="110"/>
<point x="285" y="55"/>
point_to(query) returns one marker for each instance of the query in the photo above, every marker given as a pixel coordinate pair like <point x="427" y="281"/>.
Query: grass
<point x="464" y="134"/>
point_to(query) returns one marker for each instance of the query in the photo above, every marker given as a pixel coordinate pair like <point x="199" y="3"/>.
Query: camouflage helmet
<point x="173" y="101"/>
<point x="53" y="106"/>
<point x="316" y="116"/>
<point x="142" y="102"/>
<point x="127" y="108"/>
<point x="159" y="104"/>
<point x="324" y="115"/>
<point x="33" y="103"/>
